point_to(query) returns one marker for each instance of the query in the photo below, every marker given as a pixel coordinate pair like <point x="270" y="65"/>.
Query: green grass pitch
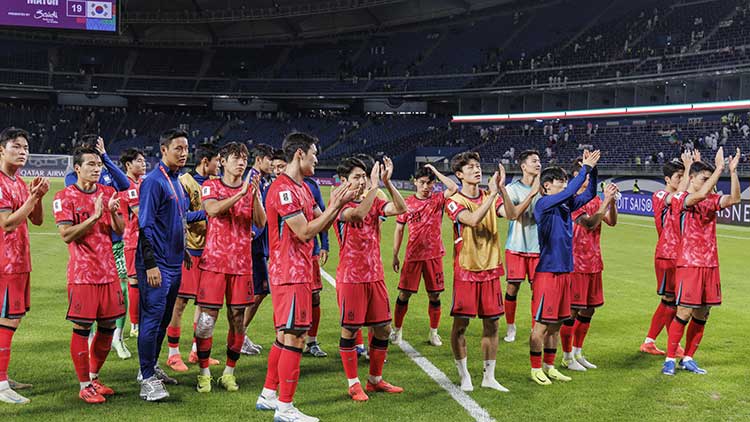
<point x="628" y="385"/>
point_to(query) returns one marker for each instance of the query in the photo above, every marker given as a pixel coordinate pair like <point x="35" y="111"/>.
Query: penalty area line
<point x="476" y="411"/>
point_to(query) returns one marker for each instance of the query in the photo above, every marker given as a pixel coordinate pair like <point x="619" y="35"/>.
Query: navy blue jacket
<point x="315" y="189"/>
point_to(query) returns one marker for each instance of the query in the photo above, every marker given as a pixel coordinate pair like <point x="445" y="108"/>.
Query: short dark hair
<point x="701" y="166"/>
<point x="295" y="141"/>
<point x="89" y="140"/>
<point x="672" y="167"/>
<point x="424" y="172"/>
<point x="10" y="133"/>
<point x="130" y="155"/>
<point x="79" y="152"/>
<point x="461" y="159"/>
<point x="348" y="165"/>
<point x="367" y="159"/>
<point x="526" y="154"/>
<point x="207" y="151"/>
<point x="261" y="150"/>
<point x="166" y="137"/>
<point x="550" y="174"/>
<point x="576" y="165"/>
<point x="278" y="154"/>
<point x="233" y="148"/>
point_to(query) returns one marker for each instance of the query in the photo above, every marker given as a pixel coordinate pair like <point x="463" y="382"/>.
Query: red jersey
<point x="128" y="203"/>
<point x="289" y="258"/>
<point x="15" y="256"/>
<point x="425" y="220"/>
<point x="91" y="259"/>
<point x="477" y="247"/>
<point x="587" y="252"/>
<point x="697" y="231"/>
<point x="230" y="235"/>
<point x="666" y="227"/>
<point x="359" y="246"/>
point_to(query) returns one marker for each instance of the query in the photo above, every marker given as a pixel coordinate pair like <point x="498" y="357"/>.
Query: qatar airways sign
<point x="84" y="15"/>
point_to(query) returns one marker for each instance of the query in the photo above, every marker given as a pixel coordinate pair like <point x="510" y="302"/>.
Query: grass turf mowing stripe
<point x="473" y="408"/>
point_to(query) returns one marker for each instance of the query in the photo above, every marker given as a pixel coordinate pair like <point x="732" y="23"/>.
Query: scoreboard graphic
<point x="82" y="15"/>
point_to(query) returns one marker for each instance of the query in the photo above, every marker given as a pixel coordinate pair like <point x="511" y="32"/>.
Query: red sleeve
<point x="209" y="191"/>
<point x="5" y="198"/>
<point x="62" y="208"/>
<point x="402" y="218"/>
<point x="132" y="195"/>
<point x="288" y="203"/>
<point x="454" y="208"/>
<point x="379" y="207"/>
<point x="498" y="204"/>
<point x="678" y="202"/>
<point x="713" y="202"/>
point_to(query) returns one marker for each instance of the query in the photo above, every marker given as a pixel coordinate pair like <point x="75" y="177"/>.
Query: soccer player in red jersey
<point x="424" y="249"/>
<point x="86" y="214"/>
<point x="18" y="202"/>
<point x="477" y="263"/>
<point x="293" y="221"/>
<point x="232" y="207"/>
<point x="586" y="280"/>
<point x="360" y="286"/>
<point x="697" y="274"/>
<point x="667" y="246"/>
<point x="134" y="163"/>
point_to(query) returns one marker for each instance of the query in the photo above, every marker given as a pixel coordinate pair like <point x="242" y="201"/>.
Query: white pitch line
<point x="727" y="236"/>
<point x="476" y="411"/>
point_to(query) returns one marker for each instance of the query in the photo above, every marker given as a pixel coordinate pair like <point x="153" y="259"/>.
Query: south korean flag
<point x="99" y="9"/>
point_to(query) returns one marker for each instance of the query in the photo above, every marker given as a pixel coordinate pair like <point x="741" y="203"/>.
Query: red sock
<point x="434" y="311"/>
<point x="399" y="313"/>
<point x="6" y="336"/>
<point x="289" y="373"/>
<point x="348" y="357"/>
<point x="694" y="336"/>
<point x="378" y="353"/>
<point x="510" y="309"/>
<point x="79" y="352"/>
<point x="100" y="348"/>
<point x="173" y="336"/>
<point x="566" y="336"/>
<point x="204" y="350"/>
<point x="272" y="372"/>
<point x="234" y="345"/>
<point x="663" y="316"/>
<point x="536" y="360"/>
<point x="580" y="329"/>
<point x="675" y="332"/>
<point x="134" y="297"/>
<point x="313" y="331"/>
<point x="549" y="356"/>
<point x="358" y="339"/>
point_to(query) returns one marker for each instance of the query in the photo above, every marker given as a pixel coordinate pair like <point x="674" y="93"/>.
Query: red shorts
<point x="551" y="302"/>
<point x="477" y="298"/>
<point x="130" y="262"/>
<point x="698" y="286"/>
<point x="586" y="290"/>
<point x="88" y="303"/>
<point x="292" y="306"/>
<point x="665" y="269"/>
<point x="190" y="279"/>
<point x="214" y="287"/>
<point x="15" y="297"/>
<point x="363" y="304"/>
<point x="520" y="266"/>
<point x="431" y="270"/>
<point x="317" y="283"/>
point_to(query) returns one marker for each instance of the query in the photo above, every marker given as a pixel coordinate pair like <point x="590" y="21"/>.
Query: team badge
<point x="285" y="197"/>
<point x="57" y="205"/>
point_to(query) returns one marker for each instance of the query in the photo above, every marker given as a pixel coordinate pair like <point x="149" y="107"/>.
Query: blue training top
<point x="260" y="234"/>
<point x="315" y="189"/>
<point x="554" y="225"/>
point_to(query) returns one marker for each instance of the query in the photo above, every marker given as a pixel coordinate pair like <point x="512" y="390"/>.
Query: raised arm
<point x="450" y="186"/>
<point x="398" y="205"/>
<point x="472" y="219"/>
<point x="72" y="232"/>
<point x="215" y="207"/>
<point x="591" y="222"/>
<point x="117" y="223"/>
<point x="735" y="194"/>
<point x="119" y="178"/>
<point x="307" y="230"/>
<point x="31" y="208"/>
<point x="359" y="212"/>
<point x="708" y="185"/>
<point x="589" y="193"/>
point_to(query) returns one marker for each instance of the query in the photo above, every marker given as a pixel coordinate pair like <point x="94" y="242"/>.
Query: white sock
<point x="267" y="393"/>
<point x="361" y="345"/>
<point x="194" y="348"/>
<point x="283" y="407"/>
<point x="687" y="359"/>
<point x="547" y="367"/>
<point x="433" y="331"/>
<point x="117" y="336"/>
<point x="4" y="385"/>
<point x="567" y="355"/>
<point x="489" y="369"/>
<point x="670" y="360"/>
<point x="463" y="372"/>
<point x="85" y="384"/>
<point x="577" y="351"/>
<point x="374" y="379"/>
<point x="93" y="376"/>
<point x="312" y="340"/>
<point x="648" y="340"/>
<point x="511" y="327"/>
<point x="353" y="381"/>
<point x="174" y="351"/>
<point x="228" y="370"/>
<point x="205" y="371"/>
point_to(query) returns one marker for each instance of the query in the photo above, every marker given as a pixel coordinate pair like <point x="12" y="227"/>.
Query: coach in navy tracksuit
<point x="162" y="216"/>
